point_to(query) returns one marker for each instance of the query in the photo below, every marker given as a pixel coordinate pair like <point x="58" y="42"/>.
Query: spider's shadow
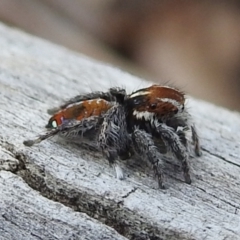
<point x="171" y="168"/>
<point x="133" y="167"/>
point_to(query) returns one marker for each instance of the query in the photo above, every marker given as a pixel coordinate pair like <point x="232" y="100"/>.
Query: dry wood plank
<point x="36" y="75"/>
<point x="25" y="214"/>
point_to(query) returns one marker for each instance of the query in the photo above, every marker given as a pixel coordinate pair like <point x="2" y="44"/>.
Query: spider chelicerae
<point x="149" y="122"/>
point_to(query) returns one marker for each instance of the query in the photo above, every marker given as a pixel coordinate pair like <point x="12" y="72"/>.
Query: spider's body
<point x="79" y="111"/>
<point x="150" y="121"/>
<point x="157" y="120"/>
<point x="95" y="119"/>
<point x="156" y="103"/>
<point x="83" y="120"/>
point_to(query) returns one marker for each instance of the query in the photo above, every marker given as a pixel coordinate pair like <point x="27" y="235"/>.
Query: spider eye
<point x="54" y="124"/>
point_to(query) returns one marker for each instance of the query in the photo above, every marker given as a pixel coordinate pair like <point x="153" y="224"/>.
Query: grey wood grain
<point x="36" y="75"/>
<point x="25" y="214"/>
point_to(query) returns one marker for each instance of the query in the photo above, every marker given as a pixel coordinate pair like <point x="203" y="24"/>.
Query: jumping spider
<point x="150" y="122"/>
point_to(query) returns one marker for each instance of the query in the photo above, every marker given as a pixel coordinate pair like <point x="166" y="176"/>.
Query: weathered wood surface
<point x="25" y="214"/>
<point x="36" y="75"/>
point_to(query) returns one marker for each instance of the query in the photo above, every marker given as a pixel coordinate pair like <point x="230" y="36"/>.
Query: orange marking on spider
<point x="79" y="111"/>
<point x="159" y="100"/>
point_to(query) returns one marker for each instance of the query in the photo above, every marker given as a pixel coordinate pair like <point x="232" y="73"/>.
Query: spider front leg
<point x="113" y="137"/>
<point x="173" y="142"/>
<point x="108" y="96"/>
<point x="145" y="148"/>
<point x="71" y="130"/>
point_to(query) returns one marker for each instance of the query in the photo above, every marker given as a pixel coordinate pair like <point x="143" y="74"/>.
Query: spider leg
<point x="182" y="135"/>
<point x="81" y="131"/>
<point x="173" y="141"/>
<point x="108" y="96"/>
<point x="145" y="148"/>
<point x="196" y="141"/>
<point x="113" y="138"/>
<point x="40" y="138"/>
<point x="71" y="129"/>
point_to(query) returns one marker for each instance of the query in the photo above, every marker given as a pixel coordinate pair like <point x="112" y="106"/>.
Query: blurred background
<point x="193" y="44"/>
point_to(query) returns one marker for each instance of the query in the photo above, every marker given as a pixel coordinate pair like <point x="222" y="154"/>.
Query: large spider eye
<point x="52" y="124"/>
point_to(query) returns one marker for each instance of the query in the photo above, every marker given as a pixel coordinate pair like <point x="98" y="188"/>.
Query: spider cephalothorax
<point x="95" y="119"/>
<point x="150" y="122"/>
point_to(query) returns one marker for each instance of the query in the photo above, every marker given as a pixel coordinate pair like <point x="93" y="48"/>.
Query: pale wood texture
<point x="36" y="75"/>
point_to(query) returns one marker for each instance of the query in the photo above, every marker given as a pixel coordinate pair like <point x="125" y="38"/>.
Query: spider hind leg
<point x="145" y="148"/>
<point x="196" y="143"/>
<point x="176" y="146"/>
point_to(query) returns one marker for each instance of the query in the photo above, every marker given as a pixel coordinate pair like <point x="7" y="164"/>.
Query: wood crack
<point x="220" y="157"/>
<point x="109" y="213"/>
